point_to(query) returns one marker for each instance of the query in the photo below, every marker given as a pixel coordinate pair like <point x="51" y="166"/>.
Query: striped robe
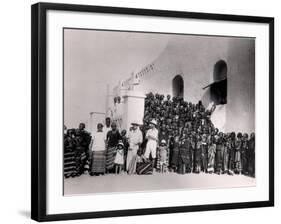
<point x="110" y="157"/>
<point x="69" y="164"/>
<point x="69" y="157"/>
<point x="98" y="162"/>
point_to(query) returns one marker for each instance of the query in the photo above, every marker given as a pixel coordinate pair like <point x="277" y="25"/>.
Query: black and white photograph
<point x="148" y="111"/>
<point x="139" y="111"/>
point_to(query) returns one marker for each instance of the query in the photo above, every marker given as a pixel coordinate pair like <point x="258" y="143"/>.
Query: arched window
<point x="218" y="88"/>
<point x="178" y="86"/>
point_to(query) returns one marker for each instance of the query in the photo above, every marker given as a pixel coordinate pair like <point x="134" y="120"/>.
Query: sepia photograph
<point x="147" y="111"/>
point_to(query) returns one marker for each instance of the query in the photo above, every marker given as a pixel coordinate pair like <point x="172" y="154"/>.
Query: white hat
<point x="163" y="141"/>
<point x="153" y="121"/>
<point x="120" y="143"/>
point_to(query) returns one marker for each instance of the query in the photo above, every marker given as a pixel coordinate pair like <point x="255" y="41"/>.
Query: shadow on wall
<point x="217" y="91"/>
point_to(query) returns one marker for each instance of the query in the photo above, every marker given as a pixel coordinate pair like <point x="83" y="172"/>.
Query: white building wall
<point x="193" y="57"/>
<point x="240" y="112"/>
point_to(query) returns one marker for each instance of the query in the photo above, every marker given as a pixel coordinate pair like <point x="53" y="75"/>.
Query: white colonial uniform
<point x="151" y="145"/>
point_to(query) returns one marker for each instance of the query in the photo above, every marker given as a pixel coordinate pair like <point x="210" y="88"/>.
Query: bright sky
<point x="93" y="59"/>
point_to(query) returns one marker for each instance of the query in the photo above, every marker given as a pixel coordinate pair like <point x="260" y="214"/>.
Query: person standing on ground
<point x="112" y="138"/>
<point x="82" y="146"/>
<point x="244" y="153"/>
<point x="135" y="139"/>
<point x="163" y="154"/>
<point x="211" y="155"/>
<point x="126" y="146"/>
<point x="219" y="154"/>
<point x="238" y="147"/>
<point x="251" y="155"/>
<point x="231" y="167"/>
<point x="69" y="154"/>
<point x="152" y="141"/>
<point x="98" y="151"/>
<point x="204" y="155"/>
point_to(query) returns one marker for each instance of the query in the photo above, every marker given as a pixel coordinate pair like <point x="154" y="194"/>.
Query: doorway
<point x="178" y="86"/>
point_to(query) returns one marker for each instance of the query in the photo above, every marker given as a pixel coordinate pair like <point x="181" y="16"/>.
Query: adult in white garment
<point x="134" y="139"/>
<point x="152" y="141"/>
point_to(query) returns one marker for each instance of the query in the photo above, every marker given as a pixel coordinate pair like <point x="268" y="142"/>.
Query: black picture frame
<point x="39" y="107"/>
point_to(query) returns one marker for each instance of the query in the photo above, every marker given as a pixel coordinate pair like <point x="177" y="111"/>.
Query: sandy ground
<point x="87" y="184"/>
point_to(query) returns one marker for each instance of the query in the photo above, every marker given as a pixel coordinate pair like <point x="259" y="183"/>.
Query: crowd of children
<point x="176" y="136"/>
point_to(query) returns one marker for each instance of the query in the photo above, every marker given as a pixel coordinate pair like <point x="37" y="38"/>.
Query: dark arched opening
<point x="178" y="86"/>
<point x="218" y="89"/>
